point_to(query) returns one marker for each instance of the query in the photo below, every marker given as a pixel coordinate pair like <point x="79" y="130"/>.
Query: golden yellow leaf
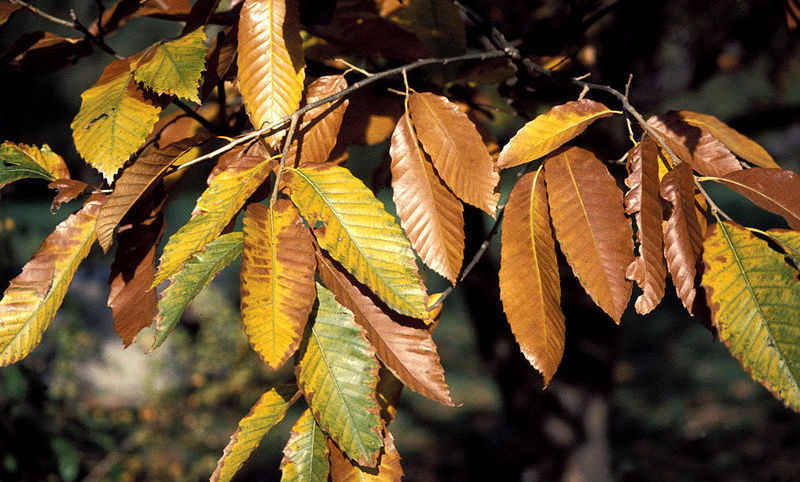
<point x="174" y="66"/>
<point x="388" y="470"/>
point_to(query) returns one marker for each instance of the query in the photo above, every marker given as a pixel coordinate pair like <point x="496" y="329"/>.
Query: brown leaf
<point x="741" y="145"/>
<point x="39" y="53"/>
<point x="277" y="280"/>
<point x="456" y="149"/>
<point x="270" y="61"/>
<point x="529" y="283"/>
<point x="199" y="15"/>
<point x="68" y="189"/>
<point x="643" y="203"/>
<point x="429" y="213"/>
<point x="388" y="470"/>
<point x="240" y="158"/>
<point x="551" y="130"/>
<point x="220" y="59"/>
<point x="403" y="343"/>
<point x="591" y="227"/>
<point x="6" y="9"/>
<point x="135" y="182"/>
<point x="701" y="150"/>
<point x="132" y="300"/>
<point x="775" y="190"/>
<point x="369" y="119"/>
<point x="320" y="126"/>
<point x="683" y="237"/>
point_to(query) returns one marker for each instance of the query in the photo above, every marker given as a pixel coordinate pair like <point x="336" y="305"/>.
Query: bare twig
<point x="44" y="15"/>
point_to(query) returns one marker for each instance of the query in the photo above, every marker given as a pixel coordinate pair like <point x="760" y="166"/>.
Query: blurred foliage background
<point x="654" y="398"/>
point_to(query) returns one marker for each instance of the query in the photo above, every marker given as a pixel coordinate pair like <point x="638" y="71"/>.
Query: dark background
<point x="656" y="397"/>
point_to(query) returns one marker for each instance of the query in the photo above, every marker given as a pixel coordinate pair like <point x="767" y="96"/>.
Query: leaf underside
<point x="317" y="136"/>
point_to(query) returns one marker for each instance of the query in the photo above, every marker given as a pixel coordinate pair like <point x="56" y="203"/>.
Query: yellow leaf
<point x="174" y="66"/>
<point x="113" y="121"/>
<point x="549" y="131"/>
<point x="271" y="65"/>
<point x="388" y="470"/>
<point x="753" y="295"/>
<point x="277" y="280"/>
<point x="305" y="456"/>
<point x="33" y="297"/>
<point x="529" y="283"/>
<point x="30" y="161"/>
<point x="356" y="230"/>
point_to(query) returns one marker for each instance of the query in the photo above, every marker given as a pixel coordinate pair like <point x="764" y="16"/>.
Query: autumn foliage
<point x="330" y="280"/>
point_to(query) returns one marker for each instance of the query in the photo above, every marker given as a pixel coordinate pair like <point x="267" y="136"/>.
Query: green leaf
<point x="198" y="271"/>
<point x="215" y="208"/>
<point x="789" y="241"/>
<point x="357" y="231"/>
<point x="19" y="161"/>
<point x="754" y="298"/>
<point x="265" y="414"/>
<point x="305" y="457"/>
<point x="175" y="66"/>
<point x="338" y="373"/>
<point x="113" y="121"/>
<point x="33" y="297"/>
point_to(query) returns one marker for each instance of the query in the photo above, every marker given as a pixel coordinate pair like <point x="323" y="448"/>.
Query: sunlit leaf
<point x="430" y="214"/>
<point x="683" y="236"/>
<point x="700" y="149"/>
<point x="456" y="149"/>
<point x="775" y="190"/>
<point x="643" y="203"/>
<point x="317" y="135"/>
<point x="789" y="241"/>
<point x="216" y="207"/>
<point x="753" y="295"/>
<point x="305" y="456"/>
<point x="402" y="343"/>
<point x="438" y="23"/>
<point x="271" y="65"/>
<point x="197" y="272"/>
<point x="137" y="181"/>
<point x="32" y="299"/>
<point x="388" y="470"/>
<point x="741" y="145"/>
<point x="67" y="190"/>
<point x="529" y="282"/>
<point x="277" y="280"/>
<point x="20" y="161"/>
<point x="265" y="414"/>
<point x="338" y="374"/>
<point x="174" y="66"/>
<point x="551" y="130"/>
<point x="113" y="120"/>
<point x="356" y="230"/>
<point x="590" y="224"/>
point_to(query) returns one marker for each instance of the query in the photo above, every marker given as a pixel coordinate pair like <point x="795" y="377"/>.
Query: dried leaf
<point x="549" y="131"/>
<point x="388" y="470"/>
<point x="643" y="203"/>
<point x="776" y="190"/>
<point x="21" y="161"/>
<point x="174" y="66"/>
<point x="529" y="283"/>
<point x="741" y="145"/>
<point x="277" y="280"/>
<point x="701" y="150"/>
<point x="683" y="236"/>
<point x="338" y="375"/>
<point x="67" y="190"/>
<point x="32" y="299"/>
<point x="6" y="10"/>
<point x="456" y="149"/>
<point x="753" y="295"/>
<point x="402" y="343"/>
<point x="305" y="456"/>
<point x="265" y="414"/>
<point x="318" y="133"/>
<point x="136" y="182"/>
<point x="596" y="238"/>
<point x="271" y="65"/>
<point x="113" y="120"/>
<point x="220" y="59"/>
<point x="430" y="214"/>
<point x="357" y="231"/>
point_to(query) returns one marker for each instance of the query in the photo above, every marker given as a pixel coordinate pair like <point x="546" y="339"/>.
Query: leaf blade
<point x="305" y="456"/>
<point x="775" y="190"/>
<point x="320" y="127"/>
<point x="174" y="66"/>
<point x="20" y="161"/>
<point x="388" y="470"/>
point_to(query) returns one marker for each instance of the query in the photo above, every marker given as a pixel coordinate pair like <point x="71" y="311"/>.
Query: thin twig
<point x="44" y="15"/>
<point x="286" y="145"/>
<point x="714" y="208"/>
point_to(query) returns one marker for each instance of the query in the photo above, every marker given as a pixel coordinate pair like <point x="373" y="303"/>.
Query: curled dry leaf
<point x="66" y="191"/>
<point x="683" y="235"/>
<point x="529" y="283"/>
<point x="643" y="203"/>
<point x="549" y="131"/>
<point x="270" y="61"/>
<point x="430" y="214"/>
<point x="456" y="149"/>
<point x="591" y="227"/>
